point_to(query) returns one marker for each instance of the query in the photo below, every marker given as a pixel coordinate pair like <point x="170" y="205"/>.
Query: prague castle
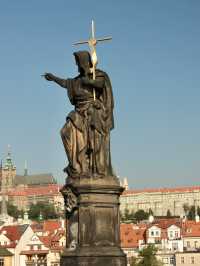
<point x="160" y="200"/>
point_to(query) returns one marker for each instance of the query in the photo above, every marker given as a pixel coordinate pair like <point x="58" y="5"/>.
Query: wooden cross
<point x="92" y="42"/>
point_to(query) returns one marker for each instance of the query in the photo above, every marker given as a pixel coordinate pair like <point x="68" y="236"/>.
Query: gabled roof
<point x="166" y="223"/>
<point x="39" y="179"/>
<point x="13" y="233"/>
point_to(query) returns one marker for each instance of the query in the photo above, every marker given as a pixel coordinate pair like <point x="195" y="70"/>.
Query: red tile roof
<point x="131" y="234"/>
<point x="165" y="223"/>
<point x="51" y="225"/>
<point x="46" y="240"/>
<point x="14" y="233"/>
<point x="191" y="229"/>
<point x="53" y="232"/>
<point x="35" y="191"/>
<point x="161" y="190"/>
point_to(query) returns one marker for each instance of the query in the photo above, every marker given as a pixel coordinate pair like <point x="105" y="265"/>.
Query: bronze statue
<point x="86" y="133"/>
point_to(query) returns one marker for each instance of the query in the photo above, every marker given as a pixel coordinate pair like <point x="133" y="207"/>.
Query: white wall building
<point x="161" y="200"/>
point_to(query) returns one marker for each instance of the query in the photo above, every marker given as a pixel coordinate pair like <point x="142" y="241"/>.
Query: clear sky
<point x="154" y="65"/>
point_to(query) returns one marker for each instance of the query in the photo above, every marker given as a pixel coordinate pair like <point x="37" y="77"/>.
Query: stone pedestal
<point x="93" y="226"/>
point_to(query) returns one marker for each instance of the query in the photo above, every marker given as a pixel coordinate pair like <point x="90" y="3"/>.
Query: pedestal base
<point x="94" y="227"/>
<point x="99" y="257"/>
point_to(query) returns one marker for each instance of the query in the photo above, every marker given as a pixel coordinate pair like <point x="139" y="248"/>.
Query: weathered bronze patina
<point x="86" y="133"/>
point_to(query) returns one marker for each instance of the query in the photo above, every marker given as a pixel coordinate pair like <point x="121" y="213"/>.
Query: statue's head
<point x="83" y="61"/>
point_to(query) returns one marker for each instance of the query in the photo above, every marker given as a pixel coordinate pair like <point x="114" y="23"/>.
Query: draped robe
<point x="86" y="133"/>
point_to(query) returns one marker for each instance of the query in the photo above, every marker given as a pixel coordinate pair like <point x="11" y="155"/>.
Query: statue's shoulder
<point x="101" y="73"/>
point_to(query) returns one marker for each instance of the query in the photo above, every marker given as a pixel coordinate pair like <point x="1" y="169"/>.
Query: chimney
<point x="25" y="169"/>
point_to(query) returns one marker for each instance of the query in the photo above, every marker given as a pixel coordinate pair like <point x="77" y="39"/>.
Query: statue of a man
<point x="86" y="133"/>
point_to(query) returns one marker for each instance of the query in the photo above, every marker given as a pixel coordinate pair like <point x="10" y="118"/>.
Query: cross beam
<point x="92" y="42"/>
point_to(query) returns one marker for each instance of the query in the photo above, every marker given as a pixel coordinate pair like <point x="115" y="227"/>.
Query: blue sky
<point x="153" y="62"/>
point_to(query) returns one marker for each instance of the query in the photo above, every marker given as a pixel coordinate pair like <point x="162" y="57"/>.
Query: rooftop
<point x="36" y="191"/>
<point x="161" y="190"/>
<point x="31" y="180"/>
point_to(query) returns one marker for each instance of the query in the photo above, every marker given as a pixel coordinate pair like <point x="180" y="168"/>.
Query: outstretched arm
<point x="59" y="81"/>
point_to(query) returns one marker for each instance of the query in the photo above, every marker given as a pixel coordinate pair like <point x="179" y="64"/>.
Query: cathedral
<point x="10" y="180"/>
<point x="24" y="190"/>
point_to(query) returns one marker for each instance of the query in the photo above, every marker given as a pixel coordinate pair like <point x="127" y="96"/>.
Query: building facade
<point x="161" y="200"/>
<point x="24" y="190"/>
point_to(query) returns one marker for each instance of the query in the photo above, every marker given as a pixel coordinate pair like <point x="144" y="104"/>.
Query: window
<point x="176" y="234"/>
<point x="152" y="233"/>
<point x="172" y="260"/>
<point x="182" y="260"/>
<point x="2" y="262"/>
<point x="188" y="244"/>
<point x="165" y="260"/>
<point x="196" y="244"/>
<point x="175" y="246"/>
<point x="157" y="233"/>
<point x="192" y="260"/>
<point x="39" y="247"/>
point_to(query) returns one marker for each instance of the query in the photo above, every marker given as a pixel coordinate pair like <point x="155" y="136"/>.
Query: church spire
<point x="25" y="168"/>
<point x="9" y="163"/>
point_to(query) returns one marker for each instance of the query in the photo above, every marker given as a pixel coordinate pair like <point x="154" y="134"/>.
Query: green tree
<point x="148" y="257"/>
<point x="47" y="210"/>
<point x="191" y="213"/>
<point x="126" y="214"/>
<point x="141" y="215"/>
<point x="133" y="261"/>
<point x="169" y="213"/>
<point x="13" y="211"/>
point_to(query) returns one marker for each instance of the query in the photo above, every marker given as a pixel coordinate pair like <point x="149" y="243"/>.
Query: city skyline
<point x="153" y="61"/>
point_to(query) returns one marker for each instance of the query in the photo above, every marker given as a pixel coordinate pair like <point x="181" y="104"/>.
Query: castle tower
<point x="25" y="169"/>
<point x="8" y="173"/>
<point x="125" y="183"/>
